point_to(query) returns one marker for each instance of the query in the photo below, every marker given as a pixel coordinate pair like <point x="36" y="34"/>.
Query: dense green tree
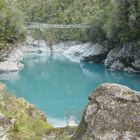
<point x="12" y="28"/>
<point x="123" y="22"/>
<point x="115" y="20"/>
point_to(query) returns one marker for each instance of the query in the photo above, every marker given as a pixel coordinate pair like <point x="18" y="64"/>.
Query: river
<point x="60" y="87"/>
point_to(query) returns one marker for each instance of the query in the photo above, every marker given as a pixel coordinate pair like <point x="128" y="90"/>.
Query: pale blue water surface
<point x="61" y="88"/>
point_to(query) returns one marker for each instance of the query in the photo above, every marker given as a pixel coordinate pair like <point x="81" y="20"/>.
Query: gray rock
<point x="113" y="113"/>
<point x="9" y="66"/>
<point x="136" y="64"/>
<point x="86" y="52"/>
<point x="14" y="55"/>
<point x="117" y="65"/>
<point x="6" y="125"/>
<point x="11" y="61"/>
<point x="125" y="58"/>
<point x="30" y="49"/>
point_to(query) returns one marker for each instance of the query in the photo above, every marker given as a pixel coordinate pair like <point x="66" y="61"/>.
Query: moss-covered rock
<point x="65" y="133"/>
<point x="26" y="122"/>
<point x="113" y="113"/>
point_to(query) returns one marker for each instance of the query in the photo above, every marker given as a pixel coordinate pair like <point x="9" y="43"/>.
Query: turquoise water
<point x="61" y="88"/>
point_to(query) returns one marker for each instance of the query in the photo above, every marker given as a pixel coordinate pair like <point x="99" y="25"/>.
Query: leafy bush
<point x="29" y="122"/>
<point x="12" y="27"/>
<point x="118" y="21"/>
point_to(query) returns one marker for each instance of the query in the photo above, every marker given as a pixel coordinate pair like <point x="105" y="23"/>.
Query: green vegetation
<point x="11" y="23"/>
<point x="23" y="121"/>
<point x="12" y="27"/>
<point x="29" y="122"/>
<point x="116" y="21"/>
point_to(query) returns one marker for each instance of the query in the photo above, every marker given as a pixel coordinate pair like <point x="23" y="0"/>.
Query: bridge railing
<point x="34" y="25"/>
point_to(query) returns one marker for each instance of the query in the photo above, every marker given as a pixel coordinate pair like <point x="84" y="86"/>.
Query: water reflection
<point x="96" y="72"/>
<point x="101" y="75"/>
<point x="10" y="76"/>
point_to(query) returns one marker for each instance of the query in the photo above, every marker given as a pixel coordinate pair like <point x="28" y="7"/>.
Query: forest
<point x="114" y="21"/>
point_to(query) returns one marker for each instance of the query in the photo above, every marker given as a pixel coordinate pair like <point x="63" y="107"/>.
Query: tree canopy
<point x="12" y="27"/>
<point x="114" y="20"/>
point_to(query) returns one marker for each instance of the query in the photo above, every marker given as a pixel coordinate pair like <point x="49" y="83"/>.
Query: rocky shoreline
<point x="123" y="58"/>
<point x="11" y="62"/>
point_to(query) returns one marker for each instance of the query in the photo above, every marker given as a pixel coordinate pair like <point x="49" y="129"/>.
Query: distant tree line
<point x="117" y="21"/>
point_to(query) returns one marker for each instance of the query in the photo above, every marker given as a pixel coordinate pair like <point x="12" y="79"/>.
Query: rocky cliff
<point x="124" y="58"/>
<point x="113" y="113"/>
<point x="87" y="52"/>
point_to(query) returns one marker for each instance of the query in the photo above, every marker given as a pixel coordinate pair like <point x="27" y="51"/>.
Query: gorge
<point x="49" y="79"/>
<point x="69" y="70"/>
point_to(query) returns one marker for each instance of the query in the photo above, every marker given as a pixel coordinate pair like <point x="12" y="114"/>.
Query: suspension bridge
<point x="35" y="25"/>
<point x="41" y="26"/>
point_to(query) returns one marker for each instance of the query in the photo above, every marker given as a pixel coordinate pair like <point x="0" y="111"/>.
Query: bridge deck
<point x="56" y="26"/>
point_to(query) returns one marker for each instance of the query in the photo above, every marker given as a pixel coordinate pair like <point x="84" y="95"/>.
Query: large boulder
<point x="11" y="61"/>
<point x="14" y="55"/>
<point x="113" y="113"/>
<point x="87" y="52"/>
<point x="125" y="58"/>
<point x="9" y="66"/>
<point x="30" y="41"/>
